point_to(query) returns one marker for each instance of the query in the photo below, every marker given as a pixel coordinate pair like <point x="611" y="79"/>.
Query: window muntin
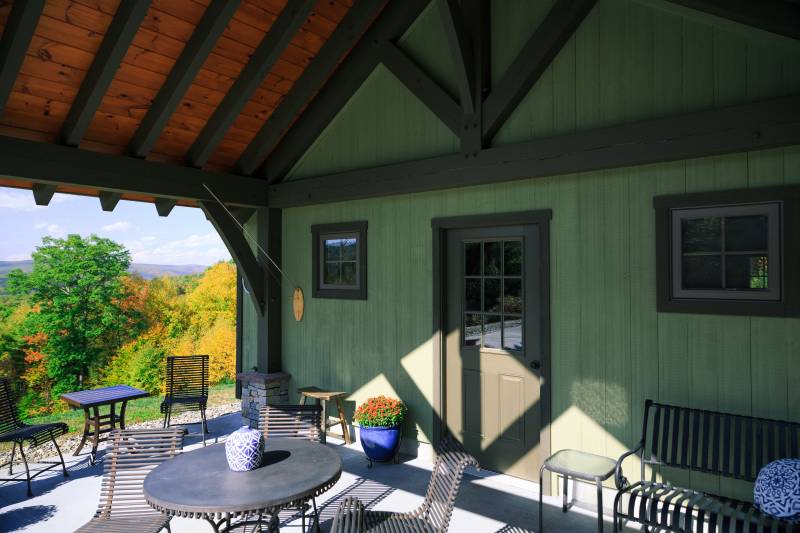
<point x="340" y="252"/>
<point x="726" y="252"/>
<point x="493" y="294"/>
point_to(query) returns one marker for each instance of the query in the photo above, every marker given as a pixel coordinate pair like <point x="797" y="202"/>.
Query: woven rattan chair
<point x="132" y="454"/>
<point x="187" y="388"/>
<point x="13" y="430"/>
<point x="294" y="422"/>
<point x="433" y="516"/>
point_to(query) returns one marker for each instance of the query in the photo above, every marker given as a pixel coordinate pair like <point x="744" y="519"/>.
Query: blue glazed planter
<point x="380" y="443"/>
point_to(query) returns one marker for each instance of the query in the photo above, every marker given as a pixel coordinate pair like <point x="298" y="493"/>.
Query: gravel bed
<point x="69" y="442"/>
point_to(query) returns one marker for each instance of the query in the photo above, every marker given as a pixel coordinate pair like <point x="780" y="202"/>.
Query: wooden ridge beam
<point x="422" y="86"/>
<point x="359" y="64"/>
<point x="62" y="165"/>
<point x="115" y="44"/>
<point x="180" y="77"/>
<point x="775" y="16"/>
<point x="355" y="22"/>
<point x="16" y="39"/>
<point x="461" y="51"/>
<point x="751" y="126"/>
<point x="537" y="54"/>
<point x="232" y="235"/>
<point x="261" y="62"/>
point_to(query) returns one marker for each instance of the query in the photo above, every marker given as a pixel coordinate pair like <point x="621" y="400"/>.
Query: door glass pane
<point x="331" y="274"/>
<point x="512" y="332"/>
<point x="492" y="331"/>
<point x="491" y="295"/>
<point x="746" y="234"/>
<point x="702" y="272"/>
<point x="746" y="272"/>
<point x="472" y="329"/>
<point x="512" y="253"/>
<point x="512" y="296"/>
<point x="472" y="258"/>
<point x="349" y="247"/>
<point x="701" y="234"/>
<point x="349" y="273"/>
<point x="491" y="258"/>
<point x="472" y="294"/>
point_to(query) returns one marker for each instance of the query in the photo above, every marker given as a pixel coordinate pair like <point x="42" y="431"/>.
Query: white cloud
<point x="54" y="230"/>
<point x="202" y="249"/>
<point x="17" y="257"/>
<point x="148" y="238"/>
<point x="117" y="226"/>
<point x="22" y="200"/>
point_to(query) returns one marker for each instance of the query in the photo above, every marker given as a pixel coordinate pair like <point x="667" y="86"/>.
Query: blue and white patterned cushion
<point x="777" y="490"/>
<point x="244" y="448"/>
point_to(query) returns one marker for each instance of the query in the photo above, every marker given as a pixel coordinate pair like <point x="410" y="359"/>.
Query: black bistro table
<point x="95" y="424"/>
<point x="199" y="484"/>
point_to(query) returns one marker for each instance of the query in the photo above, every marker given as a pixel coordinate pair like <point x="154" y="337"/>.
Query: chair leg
<point x="11" y="463"/>
<point x="27" y="470"/>
<point x="61" y="457"/>
<point x="205" y="421"/>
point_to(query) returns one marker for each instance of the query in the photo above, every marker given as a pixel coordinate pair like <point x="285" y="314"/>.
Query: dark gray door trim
<point x="440" y="226"/>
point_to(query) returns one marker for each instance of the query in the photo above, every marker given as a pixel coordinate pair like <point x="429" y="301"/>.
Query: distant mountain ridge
<point x="146" y="270"/>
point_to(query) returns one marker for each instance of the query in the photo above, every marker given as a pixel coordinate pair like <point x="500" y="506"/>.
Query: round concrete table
<point x="199" y="484"/>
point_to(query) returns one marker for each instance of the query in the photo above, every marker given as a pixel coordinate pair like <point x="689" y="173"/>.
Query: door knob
<point x="536" y="365"/>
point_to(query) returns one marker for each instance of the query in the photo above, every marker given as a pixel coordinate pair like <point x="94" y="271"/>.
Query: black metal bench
<point x="723" y="444"/>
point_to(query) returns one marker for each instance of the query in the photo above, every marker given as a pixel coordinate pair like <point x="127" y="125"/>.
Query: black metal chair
<point x="433" y="516"/>
<point x="13" y="430"/>
<point x="187" y="388"/>
<point x="132" y="454"/>
<point x="294" y="422"/>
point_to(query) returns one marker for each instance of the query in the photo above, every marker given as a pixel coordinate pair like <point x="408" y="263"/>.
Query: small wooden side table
<point x="323" y="397"/>
<point x="95" y="424"/>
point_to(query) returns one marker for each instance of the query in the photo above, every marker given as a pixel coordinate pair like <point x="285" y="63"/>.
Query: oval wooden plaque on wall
<point x="298" y="304"/>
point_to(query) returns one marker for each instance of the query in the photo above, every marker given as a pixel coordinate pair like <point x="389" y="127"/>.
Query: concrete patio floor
<point x="490" y="503"/>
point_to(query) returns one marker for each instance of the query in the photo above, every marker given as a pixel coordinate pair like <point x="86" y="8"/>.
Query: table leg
<point x="324" y="420"/>
<point x="302" y="399"/>
<point x="345" y="429"/>
<point x="86" y="419"/>
<point x="122" y="414"/>
<point x="564" y="504"/>
<point x="112" y="418"/>
<point x="541" y="496"/>
<point x="96" y="436"/>
<point x="599" y="506"/>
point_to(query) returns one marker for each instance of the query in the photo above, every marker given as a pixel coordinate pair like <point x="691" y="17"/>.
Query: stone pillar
<point x="260" y="389"/>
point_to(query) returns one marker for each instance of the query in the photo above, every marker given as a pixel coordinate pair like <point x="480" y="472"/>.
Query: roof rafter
<point x="360" y="63"/>
<point x="537" y="54"/>
<point x="261" y="62"/>
<point x="775" y="16"/>
<point x="346" y="34"/>
<point x="118" y="38"/>
<point x="460" y="49"/>
<point x="194" y="54"/>
<point x="63" y="165"/>
<point x="751" y="126"/>
<point x="424" y="88"/>
<point x="16" y="38"/>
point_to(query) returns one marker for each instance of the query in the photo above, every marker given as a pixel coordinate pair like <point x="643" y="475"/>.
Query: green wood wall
<point x="610" y="348"/>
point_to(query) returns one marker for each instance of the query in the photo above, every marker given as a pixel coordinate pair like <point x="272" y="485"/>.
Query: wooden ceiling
<point x="68" y="42"/>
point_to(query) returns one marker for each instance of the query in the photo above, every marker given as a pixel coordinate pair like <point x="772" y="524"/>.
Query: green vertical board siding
<point x="628" y="61"/>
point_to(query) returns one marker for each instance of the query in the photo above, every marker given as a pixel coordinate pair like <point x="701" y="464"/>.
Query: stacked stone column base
<point x="260" y="389"/>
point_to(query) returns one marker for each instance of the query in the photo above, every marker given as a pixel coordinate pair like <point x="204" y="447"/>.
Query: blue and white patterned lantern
<point x="777" y="490"/>
<point x="244" y="448"/>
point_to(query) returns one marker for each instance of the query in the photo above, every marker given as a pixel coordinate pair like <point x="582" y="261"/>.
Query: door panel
<point x="493" y="348"/>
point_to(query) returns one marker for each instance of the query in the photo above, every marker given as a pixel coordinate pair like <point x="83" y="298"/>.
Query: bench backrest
<point x="723" y="444"/>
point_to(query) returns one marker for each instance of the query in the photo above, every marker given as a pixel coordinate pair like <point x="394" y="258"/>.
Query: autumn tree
<point x="77" y="286"/>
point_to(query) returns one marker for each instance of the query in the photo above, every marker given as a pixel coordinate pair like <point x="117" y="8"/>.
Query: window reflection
<point x="340" y="268"/>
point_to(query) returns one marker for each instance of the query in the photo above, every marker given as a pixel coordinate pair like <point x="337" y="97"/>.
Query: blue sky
<point x="184" y="237"/>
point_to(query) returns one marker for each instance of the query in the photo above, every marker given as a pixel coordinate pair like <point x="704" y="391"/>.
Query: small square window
<point x="726" y="252"/>
<point x="339" y="260"/>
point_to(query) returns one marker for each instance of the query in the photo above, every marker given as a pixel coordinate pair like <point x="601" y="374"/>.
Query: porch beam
<point x="62" y="165"/>
<point x="14" y="44"/>
<point x="194" y="54"/>
<point x="460" y="49"/>
<point x="752" y="126"/>
<point x="537" y="54"/>
<point x="355" y="22"/>
<point x="477" y="22"/>
<point x="118" y="38"/>
<point x="261" y="62"/>
<point x="422" y="86"/>
<point x="359" y="64"/>
<point x="109" y="200"/>
<point x="242" y="253"/>
<point x="164" y="206"/>
<point x="43" y="193"/>
<point x="775" y="16"/>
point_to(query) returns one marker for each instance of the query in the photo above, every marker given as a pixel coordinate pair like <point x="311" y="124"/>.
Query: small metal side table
<point x="577" y="465"/>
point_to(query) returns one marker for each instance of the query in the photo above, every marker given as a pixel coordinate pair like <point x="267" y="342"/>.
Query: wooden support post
<point x="268" y="333"/>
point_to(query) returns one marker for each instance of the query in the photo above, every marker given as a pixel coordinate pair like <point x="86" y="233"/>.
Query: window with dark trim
<point x="729" y="252"/>
<point x="339" y="260"/>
